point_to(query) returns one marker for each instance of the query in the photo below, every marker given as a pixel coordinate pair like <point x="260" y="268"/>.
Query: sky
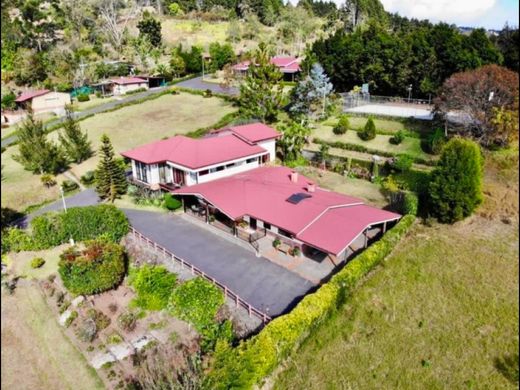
<point x="491" y="14"/>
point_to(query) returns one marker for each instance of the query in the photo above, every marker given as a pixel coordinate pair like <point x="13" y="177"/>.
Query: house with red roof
<point x="183" y="161"/>
<point x="288" y="65"/>
<point x="43" y="100"/>
<point x="121" y="85"/>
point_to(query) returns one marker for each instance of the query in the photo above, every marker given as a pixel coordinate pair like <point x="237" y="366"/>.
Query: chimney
<point x="294" y="177"/>
<point x="311" y="187"/>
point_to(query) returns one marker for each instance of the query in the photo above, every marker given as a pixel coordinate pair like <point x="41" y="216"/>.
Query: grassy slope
<point x="436" y="315"/>
<point x="127" y="127"/>
<point x="27" y="324"/>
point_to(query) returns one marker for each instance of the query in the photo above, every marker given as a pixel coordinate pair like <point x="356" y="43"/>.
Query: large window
<point x="141" y="171"/>
<point x="251" y="160"/>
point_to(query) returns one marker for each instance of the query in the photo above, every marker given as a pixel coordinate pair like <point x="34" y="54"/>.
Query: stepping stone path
<point x="78" y="301"/>
<point x="64" y="317"/>
<point x="120" y="351"/>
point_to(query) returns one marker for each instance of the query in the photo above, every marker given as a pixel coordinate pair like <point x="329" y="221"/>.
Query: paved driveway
<point x="258" y="281"/>
<point x="197" y="83"/>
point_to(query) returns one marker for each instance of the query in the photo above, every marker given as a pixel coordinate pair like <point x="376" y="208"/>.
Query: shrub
<point x="215" y="332"/>
<point x="410" y="203"/>
<point x="254" y="359"/>
<point x="296" y="251"/>
<point x="369" y="131"/>
<point x="435" y="142"/>
<point x="342" y="126"/>
<point x="153" y="285"/>
<point x="127" y="321"/>
<point x="48" y="180"/>
<point x="196" y="301"/>
<point x="83" y="97"/>
<point x="114" y="338"/>
<point x="403" y="163"/>
<point x="276" y="243"/>
<point x="37" y="262"/>
<point x="101" y="320"/>
<point x="16" y="240"/>
<point x="71" y="318"/>
<point x="99" y="267"/>
<point x="112" y="307"/>
<point x="88" y="178"/>
<point x="208" y="93"/>
<point x="455" y="188"/>
<point x="171" y="203"/>
<point x="87" y="331"/>
<point x="397" y="138"/>
<point x="69" y="185"/>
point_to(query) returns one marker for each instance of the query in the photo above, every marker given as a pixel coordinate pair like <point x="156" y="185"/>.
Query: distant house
<point x="43" y="101"/>
<point x="153" y="81"/>
<point x="120" y="85"/>
<point x="289" y="66"/>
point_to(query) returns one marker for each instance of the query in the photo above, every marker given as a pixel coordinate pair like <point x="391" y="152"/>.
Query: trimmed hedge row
<point x="246" y="365"/>
<point x="361" y="148"/>
<point x="80" y="223"/>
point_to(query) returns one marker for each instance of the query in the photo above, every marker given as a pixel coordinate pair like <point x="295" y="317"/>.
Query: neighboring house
<point x="122" y="85"/>
<point x="43" y="101"/>
<point x="183" y="161"/>
<point x="282" y="204"/>
<point x="289" y="66"/>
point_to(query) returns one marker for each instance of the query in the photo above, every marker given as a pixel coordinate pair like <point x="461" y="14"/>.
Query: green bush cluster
<point x="153" y="285"/>
<point x="254" y="359"/>
<point x="69" y="185"/>
<point x="435" y="142"/>
<point x="16" y="240"/>
<point x="398" y="137"/>
<point x="83" y="97"/>
<point x="127" y="321"/>
<point x="37" y="262"/>
<point x="171" y="203"/>
<point x="342" y="126"/>
<point x="369" y="131"/>
<point x="71" y="318"/>
<point x="88" y="178"/>
<point x="403" y="163"/>
<point x="97" y="268"/>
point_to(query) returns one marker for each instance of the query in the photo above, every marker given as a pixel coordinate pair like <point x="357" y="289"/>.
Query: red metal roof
<point x="285" y="64"/>
<point x="194" y="153"/>
<point x="254" y="132"/>
<point x="327" y="220"/>
<point x="30" y="94"/>
<point x="128" y="80"/>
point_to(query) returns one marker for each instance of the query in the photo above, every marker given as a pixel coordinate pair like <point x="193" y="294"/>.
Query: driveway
<point x="95" y="110"/>
<point x="265" y="285"/>
<point x="197" y="83"/>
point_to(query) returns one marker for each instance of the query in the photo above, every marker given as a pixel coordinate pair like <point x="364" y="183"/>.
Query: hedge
<point x="80" y="223"/>
<point x="252" y="360"/>
<point x="361" y="148"/>
<point x="153" y="285"/>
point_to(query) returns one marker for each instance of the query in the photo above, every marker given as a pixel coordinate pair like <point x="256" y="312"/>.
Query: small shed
<point x="43" y="100"/>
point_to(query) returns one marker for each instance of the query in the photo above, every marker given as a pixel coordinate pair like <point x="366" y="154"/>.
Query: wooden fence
<point x="228" y="293"/>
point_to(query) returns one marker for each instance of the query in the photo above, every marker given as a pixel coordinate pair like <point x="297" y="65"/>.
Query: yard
<point x="442" y="311"/>
<point x="127" y="127"/>
<point x="35" y="352"/>
<point x="386" y="125"/>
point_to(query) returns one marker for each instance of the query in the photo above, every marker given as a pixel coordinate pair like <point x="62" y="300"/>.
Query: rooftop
<point x="128" y="80"/>
<point x="326" y="220"/>
<point x="28" y="95"/>
<point x="285" y="64"/>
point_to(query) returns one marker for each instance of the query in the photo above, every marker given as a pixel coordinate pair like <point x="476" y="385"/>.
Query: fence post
<point x="249" y="309"/>
<point x="236" y="299"/>
<point x="192" y="270"/>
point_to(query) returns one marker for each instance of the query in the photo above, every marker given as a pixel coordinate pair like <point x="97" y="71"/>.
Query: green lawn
<point x="386" y="125"/>
<point x="411" y="146"/>
<point x="439" y="313"/>
<point x="35" y="352"/>
<point x="127" y="127"/>
<point x="20" y="263"/>
<point x="93" y="102"/>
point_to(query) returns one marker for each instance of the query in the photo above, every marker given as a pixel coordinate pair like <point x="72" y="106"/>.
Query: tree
<point x="455" y="188"/>
<point x="507" y="43"/>
<point x="369" y="131"/>
<point x="477" y="94"/>
<point x="35" y="152"/>
<point x="311" y="94"/>
<point x="293" y="139"/>
<point x="150" y="29"/>
<point x="115" y="24"/>
<point x="110" y="175"/>
<point x="177" y="64"/>
<point x="234" y="32"/>
<point x="342" y="126"/>
<point x="192" y="59"/>
<point x="221" y="54"/>
<point x="261" y="93"/>
<point x="74" y="142"/>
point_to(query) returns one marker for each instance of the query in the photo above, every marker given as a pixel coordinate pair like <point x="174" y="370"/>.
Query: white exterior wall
<point x="122" y="89"/>
<point x="153" y="174"/>
<point x="270" y="146"/>
<point x="229" y="171"/>
<point x="52" y="101"/>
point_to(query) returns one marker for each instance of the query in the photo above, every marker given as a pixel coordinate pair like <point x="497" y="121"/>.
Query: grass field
<point x="35" y="352"/>
<point x="385" y="125"/>
<point x="440" y="313"/>
<point x="127" y="127"/>
<point x="411" y="146"/>
<point x="20" y="263"/>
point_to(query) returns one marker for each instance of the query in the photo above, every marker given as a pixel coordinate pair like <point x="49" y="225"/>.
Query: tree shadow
<point x="507" y="365"/>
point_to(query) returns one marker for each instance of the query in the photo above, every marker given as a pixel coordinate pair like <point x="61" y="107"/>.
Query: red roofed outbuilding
<point x="43" y="100"/>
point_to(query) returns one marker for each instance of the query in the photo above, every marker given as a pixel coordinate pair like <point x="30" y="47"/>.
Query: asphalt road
<point x="94" y="110"/>
<point x="197" y="83"/>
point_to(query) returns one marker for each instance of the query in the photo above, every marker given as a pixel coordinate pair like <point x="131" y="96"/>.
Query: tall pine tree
<point x="36" y="153"/>
<point x="110" y="175"/>
<point x="261" y="93"/>
<point x="74" y="142"/>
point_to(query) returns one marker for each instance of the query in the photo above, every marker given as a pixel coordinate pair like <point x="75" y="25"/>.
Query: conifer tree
<point x="74" y="142"/>
<point x="110" y="175"/>
<point x="36" y="153"/>
<point x="261" y="93"/>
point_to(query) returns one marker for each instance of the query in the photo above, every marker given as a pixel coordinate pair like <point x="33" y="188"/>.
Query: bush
<point x="254" y="359"/>
<point x="71" y="318"/>
<point x="455" y="188"/>
<point x="403" y="163"/>
<point x="196" y="301"/>
<point x="69" y="185"/>
<point x="208" y="93"/>
<point x="276" y="243"/>
<point x="171" y="203"/>
<point x="97" y="268"/>
<point x="16" y="240"/>
<point x="37" y="262"/>
<point x="153" y="285"/>
<point x="342" y="126"/>
<point x="87" y="331"/>
<point x="397" y="138"/>
<point x="83" y="97"/>
<point x="369" y="131"/>
<point x="88" y="178"/>
<point x="435" y="142"/>
<point x="410" y="203"/>
<point x="48" y="180"/>
<point x="101" y="320"/>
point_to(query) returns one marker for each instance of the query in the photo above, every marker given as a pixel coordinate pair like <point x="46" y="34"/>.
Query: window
<point x="267" y="226"/>
<point x="230" y="165"/>
<point x="141" y="171"/>
<point x="221" y="168"/>
<point x="204" y="172"/>
<point x="284" y="233"/>
<point x="250" y="160"/>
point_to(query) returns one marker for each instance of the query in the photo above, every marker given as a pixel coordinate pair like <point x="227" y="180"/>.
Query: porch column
<point x="366" y="237"/>
<point x="183" y="203"/>
<point x="235" y="228"/>
<point x="207" y="213"/>
<point x="384" y="227"/>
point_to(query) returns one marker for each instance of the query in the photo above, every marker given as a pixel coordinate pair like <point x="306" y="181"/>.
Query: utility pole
<point x="63" y="199"/>
<point x="202" y="56"/>
<point x="409" y="93"/>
